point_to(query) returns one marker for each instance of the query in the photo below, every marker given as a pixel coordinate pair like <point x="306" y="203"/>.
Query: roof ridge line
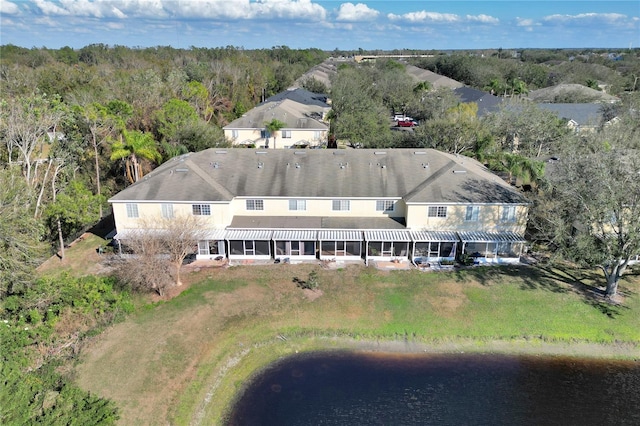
<point x="207" y="178"/>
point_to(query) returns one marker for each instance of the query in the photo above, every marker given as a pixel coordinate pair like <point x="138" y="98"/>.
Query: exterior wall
<point x="315" y="207"/>
<point x="297" y="135"/>
<point x="489" y="218"/>
<point x="245" y="135"/>
<point x="152" y="212"/>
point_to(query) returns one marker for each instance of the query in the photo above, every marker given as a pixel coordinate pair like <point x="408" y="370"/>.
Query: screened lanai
<point x="212" y="244"/>
<point x="340" y="244"/>
<point x="492" y="247"/>
<point x="434" y="246"/>
<point x="295" y="243"/>
<point x="387" y="244"/>
<point x="249" y="243"/>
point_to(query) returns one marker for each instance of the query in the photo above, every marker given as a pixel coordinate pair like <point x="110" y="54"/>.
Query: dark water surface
<point x="442" y="389"/>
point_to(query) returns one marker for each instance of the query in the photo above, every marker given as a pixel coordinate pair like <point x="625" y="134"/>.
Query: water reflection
<point x="444" y="389"/>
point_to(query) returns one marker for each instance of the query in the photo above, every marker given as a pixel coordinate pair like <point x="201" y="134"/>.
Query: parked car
<point x="405" y="123"/>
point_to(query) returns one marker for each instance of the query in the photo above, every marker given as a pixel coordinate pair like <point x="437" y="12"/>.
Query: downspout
<point x="412" y="255"/>
<point x="366" y="253"/>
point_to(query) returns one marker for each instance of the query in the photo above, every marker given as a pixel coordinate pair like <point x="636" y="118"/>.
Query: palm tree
<point x="136" y="145"/>
<point x="528" y="171"/>
<point x="272" y="127"/>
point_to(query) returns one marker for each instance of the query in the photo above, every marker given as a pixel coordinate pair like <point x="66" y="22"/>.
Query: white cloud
<point x="290" y="9"/>
<point x="485" y="19"/>
<point x="356" y="12"/>
<point x="50" y="8"/>
<point x="523" y="22"/>
<point x="9" y="8"/>
<point x="585" y="18"/>
<point x="424" y="17"/>
<point x="207" y="9"/>
<point x="442" y="18"/>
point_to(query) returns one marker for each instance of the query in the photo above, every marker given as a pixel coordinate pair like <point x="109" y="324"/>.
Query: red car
<point x="405" y="123"/>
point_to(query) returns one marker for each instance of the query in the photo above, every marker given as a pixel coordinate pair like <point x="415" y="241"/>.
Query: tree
<point x="100" y="125"/>
<point x="524" y="128"/>
<point x="596" y="204"/>
<point x="181" y="239"/>
<point x="136" y="145"/>
<point x="174" y="115"/>
<point x="456" y="133"/>
<point x="25" y="123"/>
<point x="432" y="103"/>
<point x="357" y="112"/>
<point x="273" y="127"/>
<point x="21" y="249"/>
<point x="314" y="85"/>
<point x="147" y="269"/>
<point x="159" y="249"/>
<point x="72" y="210"/>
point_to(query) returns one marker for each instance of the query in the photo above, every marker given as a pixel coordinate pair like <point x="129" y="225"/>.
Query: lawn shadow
<point x="532" y="278"/>
<point x="554" y="279"/>
<point x="582" y="282"/>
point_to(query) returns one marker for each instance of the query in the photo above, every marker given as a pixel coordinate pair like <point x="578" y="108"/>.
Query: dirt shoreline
<point x="623" y="350"/>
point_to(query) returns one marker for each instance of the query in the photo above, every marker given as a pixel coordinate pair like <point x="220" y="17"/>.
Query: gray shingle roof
<point x="436" y="80"/>
<point x="486" y="102"/>
<point x="417" y="176"/>
<point x="583" y="114"/>
<point x="295" y="115"/>
<point x="302" y="96"/>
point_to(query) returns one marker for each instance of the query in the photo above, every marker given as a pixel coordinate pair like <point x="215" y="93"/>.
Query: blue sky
<point x="386" y="25"/>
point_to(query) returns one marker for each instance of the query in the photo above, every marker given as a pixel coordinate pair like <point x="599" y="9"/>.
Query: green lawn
<point x="182" y="361"/>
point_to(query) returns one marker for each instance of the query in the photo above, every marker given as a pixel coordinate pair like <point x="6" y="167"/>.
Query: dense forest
<point x="78" y="125"/>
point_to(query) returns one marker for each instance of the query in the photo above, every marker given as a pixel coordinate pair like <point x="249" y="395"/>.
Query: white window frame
<point x="437" y="211"/>
<point x="285" y="134"/>
<point x="132" y="210"/>
<point x="167" y="210"/>
<point x="254" y="204"/>
<point x="297" y="205"/>
<point x="341" y="205"/>
<point x="235" y="133"/>
<point x="201" y="209"/>
<point x="508" y="214"/>
<point x="472" y="214"/>
<point x="385" y="205"/>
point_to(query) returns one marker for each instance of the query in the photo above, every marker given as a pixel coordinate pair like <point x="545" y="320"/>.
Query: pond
<point x="347" y="388"/>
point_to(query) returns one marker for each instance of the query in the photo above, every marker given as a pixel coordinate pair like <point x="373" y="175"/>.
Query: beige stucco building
<point x="357" y="204"/>
<point x="302" y="113"/>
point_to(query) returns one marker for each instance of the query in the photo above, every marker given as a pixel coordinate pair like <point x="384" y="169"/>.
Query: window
<point x="286" y="134"/>
<point x="264" y="134"/>
<point x="132" y="210"/>
<point x="250" y="247"/>
<point x="317" y="135"/>
<point x="297" y="204"/>
<point x="437" y="211"/>
<point x="509" y="214"/>
<point x="167" y="211"/>
<point x="341" y="205"/>
<point x="472" y="213"/>
<point x="384" y="205"/>
<point x="210" y="247"/>
<point x="201" y="210"/>
<point x="234" y="134"/>
<point x="255" y="204"/>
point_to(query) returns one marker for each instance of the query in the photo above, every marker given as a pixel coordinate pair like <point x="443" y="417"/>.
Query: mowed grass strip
<point x="182" y="361"/>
